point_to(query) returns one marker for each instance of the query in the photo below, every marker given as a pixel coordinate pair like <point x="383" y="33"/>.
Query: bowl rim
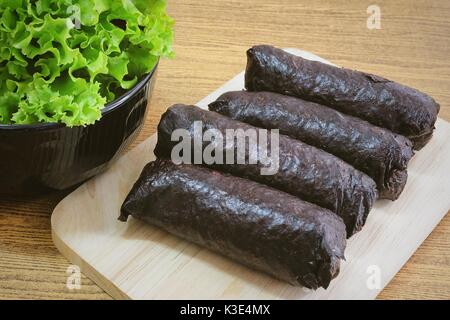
<point x="107" y="109"/>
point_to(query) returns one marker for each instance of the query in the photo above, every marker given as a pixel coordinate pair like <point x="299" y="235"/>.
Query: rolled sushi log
<point x="303" y="170"/>
<point x="382" y="102"/>
<point x="380" y="153"/>
<point x="258" y="226"/>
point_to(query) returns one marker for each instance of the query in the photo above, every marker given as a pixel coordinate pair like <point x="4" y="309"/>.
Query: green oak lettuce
<point x="63" y="60"/>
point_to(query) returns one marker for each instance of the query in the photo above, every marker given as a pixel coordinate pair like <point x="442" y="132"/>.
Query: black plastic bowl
<point x="44" y="157"/>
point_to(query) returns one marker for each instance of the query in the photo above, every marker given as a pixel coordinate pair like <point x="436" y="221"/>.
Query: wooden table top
<point x="411" y="47"/>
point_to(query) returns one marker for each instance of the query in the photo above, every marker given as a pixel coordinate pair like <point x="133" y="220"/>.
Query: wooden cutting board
<point x="137" y="261"/>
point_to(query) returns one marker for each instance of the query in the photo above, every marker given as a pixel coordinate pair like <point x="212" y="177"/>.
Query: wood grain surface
<point x="411" y="47"/>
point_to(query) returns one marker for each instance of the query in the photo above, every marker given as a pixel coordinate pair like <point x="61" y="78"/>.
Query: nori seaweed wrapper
<point x="380" y="153"/>
<point x="304" y="171"/>
<point x="382" y="102"/>
<point x="261" y="227"/>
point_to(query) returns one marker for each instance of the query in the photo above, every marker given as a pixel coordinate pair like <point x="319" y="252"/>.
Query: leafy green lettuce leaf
<point x="63" y="60"/>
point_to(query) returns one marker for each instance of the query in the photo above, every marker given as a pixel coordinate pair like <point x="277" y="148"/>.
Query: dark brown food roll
<point x="256" y="225"/>
<point x="382" y="102"/>
<point x="378" y="152"/>
<point x="304" y="171"/>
